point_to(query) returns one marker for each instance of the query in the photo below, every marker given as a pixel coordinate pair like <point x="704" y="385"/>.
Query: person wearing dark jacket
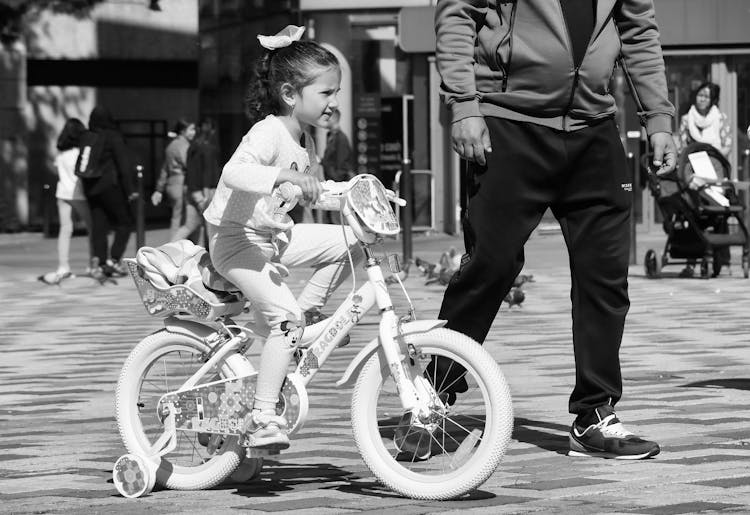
<point x="108" y="196"/>
<point x="527" y="86"/>
<point x="201" y="176"/>
<point x="336" y="162"/>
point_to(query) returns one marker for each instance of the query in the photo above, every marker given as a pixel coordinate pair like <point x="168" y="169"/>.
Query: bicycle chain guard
<point x="220" y="407"/>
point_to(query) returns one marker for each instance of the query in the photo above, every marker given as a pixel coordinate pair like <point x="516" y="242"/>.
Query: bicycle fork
<point x="413" y="393"/>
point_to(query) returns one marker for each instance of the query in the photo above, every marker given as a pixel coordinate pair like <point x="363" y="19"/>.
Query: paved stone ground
<point x="685" y="363"/>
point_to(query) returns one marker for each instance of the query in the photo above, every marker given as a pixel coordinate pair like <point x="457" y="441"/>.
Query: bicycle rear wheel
<point x="161" y="363"/>
<point x="458" y="446"/>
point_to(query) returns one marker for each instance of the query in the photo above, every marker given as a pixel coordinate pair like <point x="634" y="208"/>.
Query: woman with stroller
<point x="704" y="123"/>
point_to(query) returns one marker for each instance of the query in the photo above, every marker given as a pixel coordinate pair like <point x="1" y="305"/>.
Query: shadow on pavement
<point x="277" y="478"/>
<point x="545" y="435"/>
<point x="736" y="384"/>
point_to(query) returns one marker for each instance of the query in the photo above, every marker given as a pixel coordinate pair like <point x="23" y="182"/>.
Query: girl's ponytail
<point x="259" y="99"/>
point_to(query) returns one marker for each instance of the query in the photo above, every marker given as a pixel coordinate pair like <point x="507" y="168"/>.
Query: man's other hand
<point x="665" y="152"/>
<point x="471" y="139"/>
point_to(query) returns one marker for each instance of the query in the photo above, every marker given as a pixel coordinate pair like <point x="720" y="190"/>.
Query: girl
<point x="251" y="238"/>
<point x="70" y="198"/>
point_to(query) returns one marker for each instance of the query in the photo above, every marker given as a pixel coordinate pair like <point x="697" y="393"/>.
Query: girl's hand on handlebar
<point x="310" y="186"/>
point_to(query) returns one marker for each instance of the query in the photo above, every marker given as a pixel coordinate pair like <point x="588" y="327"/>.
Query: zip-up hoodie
<point x="514" y="59"/>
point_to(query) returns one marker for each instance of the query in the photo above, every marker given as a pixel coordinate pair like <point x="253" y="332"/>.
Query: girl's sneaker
<point x="266" y="430"/>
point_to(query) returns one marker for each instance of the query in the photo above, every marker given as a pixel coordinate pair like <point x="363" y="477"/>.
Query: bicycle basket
<point x="181" y="299"/>
<point x="367" y="198"/>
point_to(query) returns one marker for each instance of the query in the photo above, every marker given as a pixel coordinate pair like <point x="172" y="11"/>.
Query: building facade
<point x="141" y="63"/>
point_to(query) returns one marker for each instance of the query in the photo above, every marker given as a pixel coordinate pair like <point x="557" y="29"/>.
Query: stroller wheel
<point x="704" y="269"/>
<point x="651" y="264"/>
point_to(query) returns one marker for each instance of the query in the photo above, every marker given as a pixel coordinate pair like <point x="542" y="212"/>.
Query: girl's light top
<point x="68" y="185"/>
<point x="244" y="194"/>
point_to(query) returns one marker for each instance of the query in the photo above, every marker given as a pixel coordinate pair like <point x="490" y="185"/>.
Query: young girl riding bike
<point x="252" y="240"/>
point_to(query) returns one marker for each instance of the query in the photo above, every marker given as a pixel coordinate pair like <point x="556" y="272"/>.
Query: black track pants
<point x="584" y="178"/>
<point x="110" y="209"/>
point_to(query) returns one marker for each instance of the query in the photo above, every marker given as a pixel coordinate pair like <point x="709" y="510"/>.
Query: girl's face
<point x="703" y="100"/>
<point x="315" y="103"/>
<point x="189" y="132"/>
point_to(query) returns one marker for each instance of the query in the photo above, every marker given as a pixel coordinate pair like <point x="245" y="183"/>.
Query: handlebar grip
<point x="289" y="191"/>
<point x="391" y="195"/>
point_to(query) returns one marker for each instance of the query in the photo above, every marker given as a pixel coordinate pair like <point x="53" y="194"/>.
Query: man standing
<point x="527" y="84"/>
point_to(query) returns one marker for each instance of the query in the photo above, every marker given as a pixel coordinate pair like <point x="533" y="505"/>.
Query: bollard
<point x="746" y="177"/>
<point x="633" y="250"/>
<point x="46" y="211"/>
<point x="140" y="231"/>
<point x="406" y="191"/>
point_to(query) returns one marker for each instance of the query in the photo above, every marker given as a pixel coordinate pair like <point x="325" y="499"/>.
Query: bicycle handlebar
<point x="331" y="189"/>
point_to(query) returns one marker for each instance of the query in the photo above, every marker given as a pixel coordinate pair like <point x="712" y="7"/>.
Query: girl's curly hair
<point x="299" y="64"/>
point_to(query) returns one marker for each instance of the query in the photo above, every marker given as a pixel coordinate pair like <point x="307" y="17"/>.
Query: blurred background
<point x="153" y="61"/>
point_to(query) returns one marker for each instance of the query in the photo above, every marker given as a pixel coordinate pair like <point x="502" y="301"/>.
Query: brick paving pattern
<point x="685" y="363"/>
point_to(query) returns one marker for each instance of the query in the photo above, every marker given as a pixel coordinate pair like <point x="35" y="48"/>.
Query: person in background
<point x="202" y="175"/>
<point x="172" y="177"/>
<point x="704" y="122"/>
<point x="527" y="86"/>
<point x="70" y="198"/>
<point x="337" y="165"/>
<point x="108" y="196"/>
<point x="252" y="239"/>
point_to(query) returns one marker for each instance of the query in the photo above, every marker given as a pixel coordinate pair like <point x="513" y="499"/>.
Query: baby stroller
<point x="697" y="204"/>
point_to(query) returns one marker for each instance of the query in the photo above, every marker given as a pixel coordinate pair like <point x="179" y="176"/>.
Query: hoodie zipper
<point x="573" y="60"/>
<point x="511" y="24"/>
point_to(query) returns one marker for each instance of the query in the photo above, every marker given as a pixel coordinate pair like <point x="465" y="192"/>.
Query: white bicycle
<point x="185" y="390"/>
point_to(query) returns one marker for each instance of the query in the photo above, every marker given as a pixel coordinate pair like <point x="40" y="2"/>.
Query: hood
<point x="101" y="119"/>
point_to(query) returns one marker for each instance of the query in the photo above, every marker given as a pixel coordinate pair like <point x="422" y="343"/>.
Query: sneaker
<point x="114" y="269"/>
<point x="97" y="272"/>
<point x="313" y="316"/>
<point x="266" y="430"/>
<point x="412" y="441"/>
<point x="608" y="438"/>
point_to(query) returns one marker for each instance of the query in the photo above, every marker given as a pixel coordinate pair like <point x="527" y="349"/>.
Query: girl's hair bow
<point x="284" y="38"/>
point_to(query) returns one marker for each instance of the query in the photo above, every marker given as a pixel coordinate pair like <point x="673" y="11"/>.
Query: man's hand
<point x="471" y="139"/>
<point x="665" y="152"/>
<point x="156" y="198"/>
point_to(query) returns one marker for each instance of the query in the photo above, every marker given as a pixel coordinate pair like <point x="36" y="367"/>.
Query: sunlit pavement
<point x="685" y="361"/>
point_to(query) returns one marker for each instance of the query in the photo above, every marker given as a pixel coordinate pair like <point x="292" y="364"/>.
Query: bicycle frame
<point x="373" y="292"/>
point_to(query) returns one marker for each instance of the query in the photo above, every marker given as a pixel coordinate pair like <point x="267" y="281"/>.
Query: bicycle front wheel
<point x="458" y="446"/>
<point x="161" y="363"/>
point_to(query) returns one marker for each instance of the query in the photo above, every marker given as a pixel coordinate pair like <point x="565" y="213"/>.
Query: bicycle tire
<point x="371" y="438"/>
<point x="170" y="474"/>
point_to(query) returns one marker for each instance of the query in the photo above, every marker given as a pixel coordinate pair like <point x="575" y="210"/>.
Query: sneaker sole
<point x="578" y="450"/>
<point x="607" y="455"/>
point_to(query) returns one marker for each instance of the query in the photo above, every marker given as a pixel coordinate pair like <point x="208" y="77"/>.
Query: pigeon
<point x="522" y="279"/>
<point x="442" y="271"/>
<point x="515" y="297"/>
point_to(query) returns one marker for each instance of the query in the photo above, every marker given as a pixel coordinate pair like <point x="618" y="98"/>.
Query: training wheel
<point x="134" y="476"/>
